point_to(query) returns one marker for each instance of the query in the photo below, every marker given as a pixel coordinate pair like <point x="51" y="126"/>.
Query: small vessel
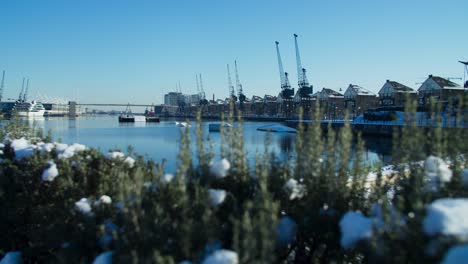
<point x="29" y="109"/>
<point x="127" y="116"/>
<point x="216" y="127"/>
<point x="182" y="124"/>
<point x="150" y="116"/>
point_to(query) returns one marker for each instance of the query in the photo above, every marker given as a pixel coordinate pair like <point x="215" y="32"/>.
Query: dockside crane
<point x="203" y="100"/>
<point x="304" y="87"/>
<point x="2" y="85"/>
<point x="232" y="92"/>
<point x="20" y="97"/>
<point x="283" y="75"/>
<point x="240" y="92"/>
<point x="25" y="95"/>
<point x="465" y="73"/>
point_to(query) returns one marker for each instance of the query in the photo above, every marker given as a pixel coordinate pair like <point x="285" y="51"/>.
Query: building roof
<point x="443" y="82"/>
<point x="398" y="87"/>
<point x="331" y="93"/>
<point x="360" y="90"/>
<point x="270" y="97"/>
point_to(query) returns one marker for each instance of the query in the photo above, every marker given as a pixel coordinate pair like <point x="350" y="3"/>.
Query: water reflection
<point x="160" y="141"/>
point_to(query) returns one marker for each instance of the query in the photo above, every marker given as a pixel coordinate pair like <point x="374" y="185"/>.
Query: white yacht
<point x="29" y="109"/>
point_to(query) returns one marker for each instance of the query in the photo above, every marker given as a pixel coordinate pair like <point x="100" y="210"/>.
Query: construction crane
<point x="2" y="85"/>
<point x="232" y="92"/>
<point x="239" y="86"/>
<point x="25" y="95"/>
<point x="301" y="72"/>
<point x="198" y="86"/>
<point x="465" y="73"/>
<point x="203" y="100"/>
<point x="286" y="91"/>
<point x="20" y="97"/>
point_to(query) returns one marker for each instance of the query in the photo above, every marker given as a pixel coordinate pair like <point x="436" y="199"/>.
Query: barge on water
<point x="129" y="117"/>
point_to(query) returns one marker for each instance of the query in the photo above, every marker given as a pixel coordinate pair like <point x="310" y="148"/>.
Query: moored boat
<point x="216" y="127"/>
<point x="29" y="109"/>
<point x="127" y="116"/>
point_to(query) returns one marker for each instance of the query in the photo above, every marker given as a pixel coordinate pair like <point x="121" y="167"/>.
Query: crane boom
<point x="230" y="86"/>
<point x="201" y="88"/>
<point x="25" y="95"/>
<point x="301" y="72"/>
<point x="283" y="79"/>
<point x="238" y="84"/>
<point x="20" y="97"/>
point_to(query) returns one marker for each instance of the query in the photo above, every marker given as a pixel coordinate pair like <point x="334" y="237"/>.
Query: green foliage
<point x="155" y="220"/>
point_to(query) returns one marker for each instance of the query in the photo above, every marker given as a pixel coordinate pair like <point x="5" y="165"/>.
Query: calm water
<point x="160" y="141"/>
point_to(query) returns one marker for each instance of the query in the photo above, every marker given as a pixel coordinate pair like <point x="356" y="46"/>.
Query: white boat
<point x="29" y="109"/>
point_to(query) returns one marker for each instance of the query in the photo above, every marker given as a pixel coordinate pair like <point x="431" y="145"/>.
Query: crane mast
<point x="2" y="85"/>
<point x="20" y="97"/>
<point x="283" y="75"/>
<point x="202" y="91"/>
<point x="25" y="95"/>
<point x="301" y="72"/>
<point x="230" y="86"/>
<point x="238" y="84"/>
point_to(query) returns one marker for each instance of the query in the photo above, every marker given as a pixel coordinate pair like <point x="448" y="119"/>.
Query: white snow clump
<point x="104" y="199"/>
<point x="216" y="196"/>
<point x="455" y="255"/>
<point x="130" y="161"/>
<point x="354" y="227"/>
<point x="295" y="189"/>
<point x="120" y="155"/>
<point x="83" y="206"/>
<point x="167" y="178"/>
<point x="222" y="256"/>
<point x="22" y="148"/>
<point x="447" y="216"/>
<point x="69" y="151"/>
<point x="51" y="172"/>
<point x="104" y="258"/>
<point x="220" y="168"/>
<point x="115" y="155"/>
<point x="437" y="173"/>
<point x="12" y="257"/>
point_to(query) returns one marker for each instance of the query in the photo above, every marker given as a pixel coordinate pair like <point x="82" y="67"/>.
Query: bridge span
<point x="104" y="104"/>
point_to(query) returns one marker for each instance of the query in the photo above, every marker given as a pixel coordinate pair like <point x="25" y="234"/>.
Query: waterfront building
<point x="358" y="99"/>
<point x="285" y="101"/>
<point x="270" y="105"/>
<point x="440" y="89"/>
<point x="304" y="98"/>
<point x="331" y="103"/>
<point x="173" y="98"/>
<point x="394" y="93"/>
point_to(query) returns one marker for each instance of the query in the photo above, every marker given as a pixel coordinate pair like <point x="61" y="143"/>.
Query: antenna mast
<point x="2" y="85"/>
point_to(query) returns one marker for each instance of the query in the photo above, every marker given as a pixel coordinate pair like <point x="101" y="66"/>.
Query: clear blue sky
<point x="136" y="50"/>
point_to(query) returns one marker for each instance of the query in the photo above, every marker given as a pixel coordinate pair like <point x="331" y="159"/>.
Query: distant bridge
<point x="144" y="105"/>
